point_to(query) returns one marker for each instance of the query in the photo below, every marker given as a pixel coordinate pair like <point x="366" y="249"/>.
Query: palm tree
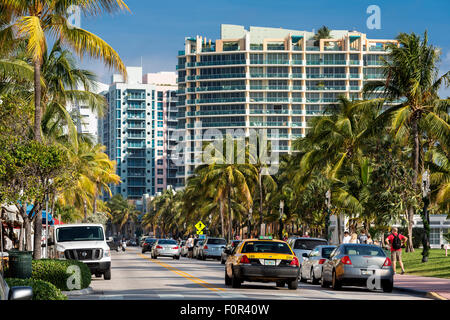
<point x="36" y="21"/>
<point x="121" y="211"/>
<point x="322" y="33"/>
<point x="412" y="75"/>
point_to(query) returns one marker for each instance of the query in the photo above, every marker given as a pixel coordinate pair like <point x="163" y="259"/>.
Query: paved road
<point x="137" y="276"/>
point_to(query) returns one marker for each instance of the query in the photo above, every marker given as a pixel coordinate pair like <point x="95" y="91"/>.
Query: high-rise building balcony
<point x="219" y="63"/>
<point x="277" y="88"/>
<point x="219" y="76"/>
<point x="326" y="62"/>
<point x="269" y="75"/>
<point x="284" y="62"/>
<point x="269" y="123"/>
<point x="222" y="124"/>
<point x="312" y="48"/>
<point x="322" y="88"/>
<point x="218" y="112"/>
<point x="220" y="88"/>
<point x="326" y="75"/>
<point x="220" y="100"/>
<point x="268" y="111"/>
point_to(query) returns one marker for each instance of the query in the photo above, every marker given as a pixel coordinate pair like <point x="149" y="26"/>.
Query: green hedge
<point x="42" y="290"/>
<point x="55" y="272"/>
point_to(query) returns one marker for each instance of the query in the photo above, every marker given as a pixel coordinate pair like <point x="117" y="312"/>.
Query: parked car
<point x="184" y="248"/>
<point x="148" y="244"/>
<point x="303" y="246"/>
<point x="212" y="248"/>
<point x="85" y="242"/>
<point x="166" y="248"/>
<point x="196" y="248"/>
<point x="358" y="265"/>
<point x="311" y="268"/>
<point x="14" y="293"/>
<point x="228" y="249"/>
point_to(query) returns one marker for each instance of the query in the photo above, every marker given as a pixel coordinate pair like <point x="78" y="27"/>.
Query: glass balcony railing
<point x="135" y="96"/>
<point x="209" y="49"/>
<point x="355" y="62"/>
<point x="220" y="76"/>
<point x="298" y="88"/>
<point x="269" y="87"/>
<point x="269" y="61"/>
<point x="377" y="49"/>
<point x="261" y="111"/>
<point x="354" y="76"/>
<point x="312" y="48"/>
<point x="219" y="63"/>
<point x="373" y="76"/>
<point x="275" y="47"/>
<point x="220" y="100"/>
<point x="297" y="99"/>
<point x="326" y="88"/>
<point x="296" y="111"/>
<point x="269" y="75"/>
<point x="181" y="53"/>
<point x="256" y="46"/>
<point x="297" y="48"/>
<point x="181" y="66"/>
<point x="373" y="63"/>
<point x="222" y="124"/>
<point x="327" y="62"/>
<point x="297" y="124"/>
<point x="326" y="75"/>
<point x="297" y="62"/>
<point x="191" y="101"/>
<point x="333" y="48"/>
<point x="180" y="79"/>
<point x="218" y="112"/>
<point x="353" y="88"/>
<point x="220" y="88"/>
<point x="280" y="135"/>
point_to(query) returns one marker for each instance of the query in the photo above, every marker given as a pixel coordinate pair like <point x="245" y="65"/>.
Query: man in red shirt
<point x="396" y="241"/>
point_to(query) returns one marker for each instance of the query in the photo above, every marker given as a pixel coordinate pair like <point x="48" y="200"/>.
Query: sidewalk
<point x="436" y="288"/>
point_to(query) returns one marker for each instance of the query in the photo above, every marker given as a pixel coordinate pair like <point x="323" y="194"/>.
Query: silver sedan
<point x="166" y="248"/>
<point x="362" y="265"/>
<point x="311" y="268"/>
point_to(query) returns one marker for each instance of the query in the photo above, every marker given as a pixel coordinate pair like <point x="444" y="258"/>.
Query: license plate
<point x="269" y="262"/>
<point x="366" y="272"/>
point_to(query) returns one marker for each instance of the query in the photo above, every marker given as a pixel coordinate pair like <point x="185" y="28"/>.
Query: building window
<point x="435" y="236"/>
<point x="160" y="124"/>
<point x="160" y="189"/>
<point x="160" y="181"/>
<point x="160" y="133"/>
<point x="160" y="171"/>
<point x="160" y="143"/>
<point x="160" y="162"/>
<point x="160" y="152"/>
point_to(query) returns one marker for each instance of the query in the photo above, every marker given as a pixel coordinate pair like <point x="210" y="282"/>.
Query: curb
<point x="81" y="292"/>
<point x="427" y="294"/>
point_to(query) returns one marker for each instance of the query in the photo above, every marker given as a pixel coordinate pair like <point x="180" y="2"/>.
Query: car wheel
<point x="143" y="251"/>
<point x="314" y="280"/>
<point x="335" y="283"/>
<point x="280" y="284"/>
<point x="178" y="257"/>
<point x="387" y="285"/>
<point x="235" y="281"/>
<point x="293" y="284"/>
<point x="227" y="279"/>
<point x="98" y="275"/>
<point x="301" y="276"/>
<point x="107" y="275"/>
<point x="155" y="257"/>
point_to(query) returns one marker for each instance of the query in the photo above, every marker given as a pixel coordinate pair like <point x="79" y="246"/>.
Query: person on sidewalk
<point x="347" y="237"/>
<point x="354" y="238"/>
<point x="363" y="236"/>
<point x="396" y="241"/>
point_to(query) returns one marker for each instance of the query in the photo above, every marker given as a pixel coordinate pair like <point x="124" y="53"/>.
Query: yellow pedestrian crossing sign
<point x="200" y="226"/>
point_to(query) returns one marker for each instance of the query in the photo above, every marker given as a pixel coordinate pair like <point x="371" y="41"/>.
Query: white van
<point x="84" y="242"/>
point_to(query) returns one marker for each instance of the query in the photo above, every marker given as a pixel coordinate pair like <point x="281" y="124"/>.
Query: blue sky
<point x="155" y="30"/>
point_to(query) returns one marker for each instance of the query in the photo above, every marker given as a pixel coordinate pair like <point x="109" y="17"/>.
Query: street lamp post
<point x="327" y="216"/>
<point x="426" y="216"/>
<point x="281" y="219"/>
<point x="249" y="233"/>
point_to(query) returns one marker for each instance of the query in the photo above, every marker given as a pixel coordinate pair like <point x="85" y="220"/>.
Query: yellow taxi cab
<point x="262" y="260"/>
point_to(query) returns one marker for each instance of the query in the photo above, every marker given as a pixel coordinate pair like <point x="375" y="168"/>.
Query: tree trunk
<point x="85" y="210"/>
<point x="409" y="244"/>
<point x="230" y="216"/>
<point x="37" y="234"/>
<point x="222" y="218"/>
<point x="37" y="101"/>
<point x="338" y="226"/>
<point x="94" y="204"/>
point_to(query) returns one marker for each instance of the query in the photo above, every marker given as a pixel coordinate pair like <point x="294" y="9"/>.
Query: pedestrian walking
<point x="363" y="237"/>
<point x="369" y="239"/>
<point x="346" y="238"/>
<point x="396" y="241"/>
<point x="190" y="246"/>
<point x="354" y="238"/>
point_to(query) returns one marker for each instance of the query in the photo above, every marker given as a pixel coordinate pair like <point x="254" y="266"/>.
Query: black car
<point x="148" y="244"/>
<point x="229" y="248"/>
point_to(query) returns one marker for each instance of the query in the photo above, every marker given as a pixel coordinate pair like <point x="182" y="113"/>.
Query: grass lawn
<point x="438" y="264"/>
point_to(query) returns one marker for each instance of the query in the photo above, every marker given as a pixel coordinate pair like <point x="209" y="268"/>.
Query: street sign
<point x="200" y="226"/>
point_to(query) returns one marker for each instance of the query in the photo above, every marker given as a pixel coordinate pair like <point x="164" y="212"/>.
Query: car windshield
<point x="308" y="244"/>
<point x="167" y="242"/>
<point x="364" y="251"/>
<point x="235" y="243"/>
<point x="88" y="233"/>
<point x="217" y="241"/>
<point x="150" y="240"/>
<point x="327" y="251"/>
<point x="266" y="247"/>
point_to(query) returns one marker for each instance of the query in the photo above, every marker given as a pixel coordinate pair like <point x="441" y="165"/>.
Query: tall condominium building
<point x="86" y="119"/>
<point x="135" y="130"/>
<point x="269" y="78"/>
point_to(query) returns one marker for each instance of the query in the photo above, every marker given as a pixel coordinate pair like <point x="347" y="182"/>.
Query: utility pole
<point x="249" y="232"/>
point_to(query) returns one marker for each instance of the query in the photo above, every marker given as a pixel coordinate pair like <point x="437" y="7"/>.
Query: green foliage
<point x="42" y="290"/>
<point x="55" y="272"/>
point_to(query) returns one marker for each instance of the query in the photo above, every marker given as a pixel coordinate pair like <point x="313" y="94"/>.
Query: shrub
<point x="55" y="272"/>
<point x="42" y="290"/>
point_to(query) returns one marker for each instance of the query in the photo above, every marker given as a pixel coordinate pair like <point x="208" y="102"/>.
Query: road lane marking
<point x="171" y="296"/>
<point x="184" y="274"/>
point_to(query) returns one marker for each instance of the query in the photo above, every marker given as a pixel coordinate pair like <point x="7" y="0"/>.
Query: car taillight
<point x="175" y="248"/>
<point x="294" y="262"/>
<point x="322" y="261"/>
<point x="387" y="263"/>
<point x="244" y="260"/>
<point x="346" y="260"/>
<point x="159" y="247"/>
<point x="205" y="247"/>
